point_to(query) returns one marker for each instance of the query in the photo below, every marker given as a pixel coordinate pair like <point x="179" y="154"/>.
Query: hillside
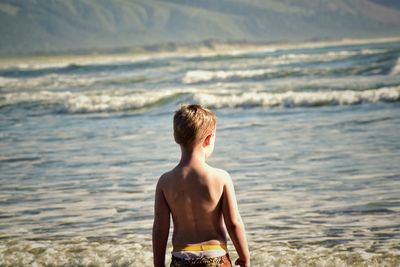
<point x="51" y="26"/>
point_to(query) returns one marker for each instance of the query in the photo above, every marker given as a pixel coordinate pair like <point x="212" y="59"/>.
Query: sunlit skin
<point x="201" y="200"/>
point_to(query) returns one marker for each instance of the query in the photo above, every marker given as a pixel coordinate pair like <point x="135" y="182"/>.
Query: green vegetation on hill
<point x="53" y="26"/>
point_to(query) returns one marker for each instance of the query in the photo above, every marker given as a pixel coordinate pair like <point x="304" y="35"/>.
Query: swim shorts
<point x="221" y="261"/>
<point x="201" y="256"/>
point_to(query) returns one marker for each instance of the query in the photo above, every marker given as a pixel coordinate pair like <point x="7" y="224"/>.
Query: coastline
<point x="206" y="48"/>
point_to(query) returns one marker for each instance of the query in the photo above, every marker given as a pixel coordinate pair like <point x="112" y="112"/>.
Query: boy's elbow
<point x="232" y="225"/>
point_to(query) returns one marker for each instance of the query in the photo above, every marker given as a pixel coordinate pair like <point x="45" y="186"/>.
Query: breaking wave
<point x="67" y="81"/>
<point x="206" y="76"/>
<point x="39" y="70"/>
<point x="299" y="99"/>
<point x="92" y="101"/>
<point x="199" y="76"/>
<point x="319" y="57"/>
<point x="363" y="62"/>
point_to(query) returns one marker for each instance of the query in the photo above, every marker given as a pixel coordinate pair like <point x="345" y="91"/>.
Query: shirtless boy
<point x="200" y="198"/>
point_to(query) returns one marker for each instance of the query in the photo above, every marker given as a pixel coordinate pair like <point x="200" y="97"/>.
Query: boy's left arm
<point x="160" y="227"/>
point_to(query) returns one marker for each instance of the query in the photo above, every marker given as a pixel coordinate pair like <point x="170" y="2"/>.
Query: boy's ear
<point x="207" y="141"/>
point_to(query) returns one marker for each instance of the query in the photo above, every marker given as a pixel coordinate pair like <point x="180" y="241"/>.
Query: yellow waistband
<point x="200" y="247"/>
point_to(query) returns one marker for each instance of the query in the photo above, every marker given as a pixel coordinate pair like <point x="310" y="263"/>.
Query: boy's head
<point x="192" y="124"/>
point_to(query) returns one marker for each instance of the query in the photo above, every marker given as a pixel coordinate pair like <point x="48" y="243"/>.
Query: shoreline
<point x="205" y="48"/>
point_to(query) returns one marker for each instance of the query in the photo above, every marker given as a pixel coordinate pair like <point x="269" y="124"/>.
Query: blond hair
<point x="192" y="123"/>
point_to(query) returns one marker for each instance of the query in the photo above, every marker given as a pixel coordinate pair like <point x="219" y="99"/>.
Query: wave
<point x="38" y="70"/>
<point x="292" y="58"/>
<point x="248" y="65"/>
<point x="384" y="67"/>
<point x="90" y="102"/>
<point x="200" y="76"/>
<point x="299" y="99"/>
<point x="275" y="57"/>
<point x="53" y="81"/>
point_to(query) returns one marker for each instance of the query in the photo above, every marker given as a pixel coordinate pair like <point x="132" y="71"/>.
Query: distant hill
<point x="54" y="26"/>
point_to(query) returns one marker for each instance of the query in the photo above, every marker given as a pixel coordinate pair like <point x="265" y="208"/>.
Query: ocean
<point x="310" y="133"/>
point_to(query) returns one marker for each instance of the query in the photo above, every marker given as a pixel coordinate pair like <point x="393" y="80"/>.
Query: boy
<point x="201" y="200"/>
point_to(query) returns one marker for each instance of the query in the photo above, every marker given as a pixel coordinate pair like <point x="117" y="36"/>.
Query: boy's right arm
<point x="234" y="223"/>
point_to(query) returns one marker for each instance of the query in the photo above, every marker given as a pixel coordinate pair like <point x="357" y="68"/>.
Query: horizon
<point x="206" y="47"/>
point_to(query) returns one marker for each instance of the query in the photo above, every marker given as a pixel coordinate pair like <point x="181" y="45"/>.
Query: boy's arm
<point x="160" y="227"/>
<point x="234" y="223"/>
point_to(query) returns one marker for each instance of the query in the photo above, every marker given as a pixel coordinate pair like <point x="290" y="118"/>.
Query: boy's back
<point x="194" y="196"/>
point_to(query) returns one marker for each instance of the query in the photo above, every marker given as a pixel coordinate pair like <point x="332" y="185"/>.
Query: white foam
<point x="323" y="57"/>
<point x="197" y="76"/>
<point x="34" y="66"/>
<point x="75" y="61"/>
<point x="104" y="101"/>
<point x="242" y="67"/>
<point x="53" y="81"/>
<point x="89" y="101"/>
<point x="77" y="253"/>
<point x="299" y="99"/>
<point x="319" y="256"/>
<point x="136" y="251"/>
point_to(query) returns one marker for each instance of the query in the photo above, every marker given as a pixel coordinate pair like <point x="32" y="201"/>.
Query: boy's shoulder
<point x="164" y="177"/>
<point x="220" y="173"/>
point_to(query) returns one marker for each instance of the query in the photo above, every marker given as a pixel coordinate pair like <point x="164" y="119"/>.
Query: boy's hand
<point x="242" y="263"/>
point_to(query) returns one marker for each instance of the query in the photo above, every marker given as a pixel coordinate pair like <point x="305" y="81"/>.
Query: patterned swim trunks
<point x="221" y="261"/>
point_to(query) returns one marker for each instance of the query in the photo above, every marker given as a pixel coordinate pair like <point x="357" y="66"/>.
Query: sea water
<point x="310" y="134"/>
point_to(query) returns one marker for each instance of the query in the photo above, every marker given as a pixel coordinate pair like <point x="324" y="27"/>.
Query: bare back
<point x="194" y="196"/>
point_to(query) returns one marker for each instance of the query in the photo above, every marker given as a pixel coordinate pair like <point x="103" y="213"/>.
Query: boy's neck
<point x="192" y="156"/>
